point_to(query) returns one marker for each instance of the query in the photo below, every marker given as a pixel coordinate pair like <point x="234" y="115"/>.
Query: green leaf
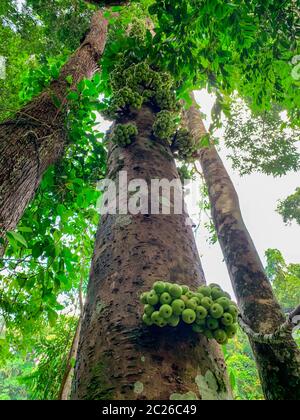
<point x="17" y="237"/>
<point x="52" y="317"/>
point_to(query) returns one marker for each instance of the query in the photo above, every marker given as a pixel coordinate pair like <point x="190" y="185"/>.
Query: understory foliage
<point x="157" y="52"/>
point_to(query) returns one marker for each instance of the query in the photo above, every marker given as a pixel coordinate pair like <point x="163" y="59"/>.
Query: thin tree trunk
<point x="278" y="364"/>
<point x="118" y="357"/>
<point x="36" y="137"/>
<point x="65" y="389"/>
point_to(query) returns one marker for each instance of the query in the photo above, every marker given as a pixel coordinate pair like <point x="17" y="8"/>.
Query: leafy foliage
<point x="285" y="279"/>
<point x="261" y="143"/>
<point x="289" y="208"/>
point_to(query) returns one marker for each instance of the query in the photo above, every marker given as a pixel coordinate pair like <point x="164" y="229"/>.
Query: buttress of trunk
<point x="278" y="364"/>
<point x="36" y="137"/>
<point x="118" y="357"/>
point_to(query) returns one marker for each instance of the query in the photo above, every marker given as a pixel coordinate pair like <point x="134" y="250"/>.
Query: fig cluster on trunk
<point x="208" y="311"/>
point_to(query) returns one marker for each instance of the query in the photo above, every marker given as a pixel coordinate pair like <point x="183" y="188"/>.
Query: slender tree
<point x="279" y="362"/>
<point x="37" y="136"/>
<point x="118" y="357"/>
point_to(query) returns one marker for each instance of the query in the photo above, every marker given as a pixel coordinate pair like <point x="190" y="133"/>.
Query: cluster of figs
<point x="208" y="311"/>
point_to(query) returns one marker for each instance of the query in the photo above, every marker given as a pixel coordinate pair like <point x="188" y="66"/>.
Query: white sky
<point x="258" y="195"/>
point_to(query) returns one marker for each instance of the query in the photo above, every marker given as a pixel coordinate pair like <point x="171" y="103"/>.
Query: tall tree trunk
<point x="278" y="364"/>
<point x="118" y="357"/>
<point x="36" y="137"/>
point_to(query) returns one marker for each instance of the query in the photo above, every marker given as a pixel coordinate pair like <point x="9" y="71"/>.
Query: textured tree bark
<point x="278" y="364"/>
<point x="118" y="357"/>
<point x="36" y="137"/>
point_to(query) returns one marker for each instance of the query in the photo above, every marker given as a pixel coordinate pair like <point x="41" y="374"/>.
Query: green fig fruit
<point x="143" y="297"/>
<point x="173" y="321"/>
<point x="216" y="311"/>
<point x="185" y="289"/>
<point x="206" y="302"/>
<point x="220" y="336"/>
<point x="191" y="304"/>
<point x="178" y="306"/>
<point x="212" y="323"/>
<point x="201" y="312"/>
<point x="231" y="330"/>
<point x="199" y="296"/>
<point x="165" y="311"/>
<point x="147" y="320"/>
<point x="208" y="334"/>
<point x="224" y="302"/>
<point x="216" y="293"/>
<point x="175" y="291"/>
<point x="205" y="290"/>
<point x="184" y="298"/>
<point x="227" y="319"/>
<point x="159" y="287"/>
<point x="155" y="316"/>
<point x="201" y="322"/>
<point x="189" y="294"/>
<point x="148" y="310"/>
<point x="161" y="322"/>
<point x="214" y="285"/>
<point x="188" y="316"/>
<point x="152" y="298"/>
<point x="165" y="298"/>
<point x="198" y="328"/>
<point x="233" y="310"/>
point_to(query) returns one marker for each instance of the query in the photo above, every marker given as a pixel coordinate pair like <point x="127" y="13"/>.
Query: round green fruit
<point x="189" y="294"/>
<point x="184" y="298"/>
<point x="185" y="289"/>
<point x="148" y="310"/>
<point x="231" y="331"/>
<point x="161" y="322"/>
<point x="205" y="290"/>
<point x="152" y="298"/>
<point x="191" y="304"/>
<point x="143" y="298"/>
<point x="208" y="334"/>
<point x="173" y="321"/>
<point x="220" y="336"/>
<point x="165" y="298"/>
<point x="212" y="324"/>
<point x="155" y="316"/>
<point x="147" y="320"/>
<point x="233" y="310"/>
<point x="224" y="302"/>
<point x="227" y="319"/>
<point x="216" y="293"/>
<point x="199" y="296"/>
<point x="214" y="285"/>
<point x="216" y="311"/>
<point x="201" y="322"/>
<point x="198" y="328"/>
<point x="178" y="306"/>
<point x="159" y="287"/>
<point x="201" y="312"/>
<point x="206" y="302"/>
<point x="165" y="311"/>
<point x="175" y="291"/>
<point x="188" y="316"/>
